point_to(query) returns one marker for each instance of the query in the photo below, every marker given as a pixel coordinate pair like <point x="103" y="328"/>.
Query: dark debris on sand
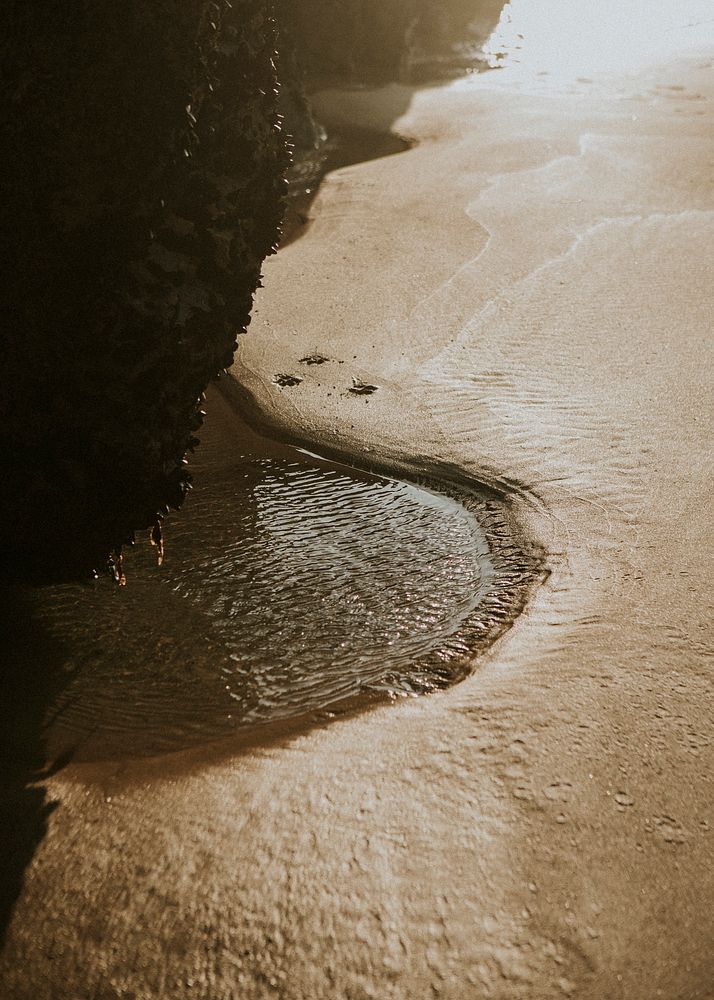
<point x="287" y="380"/>
<point x="360" y="388"/>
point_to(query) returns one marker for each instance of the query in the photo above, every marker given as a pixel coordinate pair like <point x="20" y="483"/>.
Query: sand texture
<point x="529" y="288"/>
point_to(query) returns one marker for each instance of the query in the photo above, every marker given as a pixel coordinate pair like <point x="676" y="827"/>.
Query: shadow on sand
<point x="32" y="678"/>
<point x="347" y="141"/>
<point x="345" y="144"/>
<point x="33" y="662"/>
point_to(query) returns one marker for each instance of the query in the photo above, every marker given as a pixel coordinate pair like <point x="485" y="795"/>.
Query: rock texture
<point x="143" y="181"/>
<point x="379" y="39"/>
<point x="144" y="173"/>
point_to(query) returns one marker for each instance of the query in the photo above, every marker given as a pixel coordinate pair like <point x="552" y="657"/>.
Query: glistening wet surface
<point x="290" y="585"/>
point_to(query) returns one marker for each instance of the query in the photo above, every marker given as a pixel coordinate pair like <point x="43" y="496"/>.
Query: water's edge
<point x="518" y="563"/>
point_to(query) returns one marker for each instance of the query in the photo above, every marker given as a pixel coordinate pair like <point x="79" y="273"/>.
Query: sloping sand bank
<point x="530" y="288"/>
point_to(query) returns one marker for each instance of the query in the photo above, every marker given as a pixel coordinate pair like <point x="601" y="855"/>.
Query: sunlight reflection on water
<point x="289" y="585"/>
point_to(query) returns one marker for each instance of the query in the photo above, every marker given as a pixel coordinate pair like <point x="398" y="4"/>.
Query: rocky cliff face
<point x="143" y="182"/>
<point x="143" y="179"/>
<point x="337" y="42"/>
<point x="380" y="39"/>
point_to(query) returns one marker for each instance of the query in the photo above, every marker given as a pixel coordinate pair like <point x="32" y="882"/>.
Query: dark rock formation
<point x="336" y="42"/>
<point x="143" y="180"/>
<point x="143" y="170"/>
<point x="328" y="42"/>
<point x="379" y="40"/>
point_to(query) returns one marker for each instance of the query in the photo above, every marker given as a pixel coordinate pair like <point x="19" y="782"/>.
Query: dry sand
<point x="530" y="288"/>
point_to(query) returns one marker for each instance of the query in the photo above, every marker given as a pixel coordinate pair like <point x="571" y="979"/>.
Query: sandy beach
<point x="529" y="287"/>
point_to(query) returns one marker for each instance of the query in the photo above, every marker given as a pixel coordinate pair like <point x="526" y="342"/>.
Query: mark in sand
<point x="360" y="388"/>
<point x="284" y="380"/>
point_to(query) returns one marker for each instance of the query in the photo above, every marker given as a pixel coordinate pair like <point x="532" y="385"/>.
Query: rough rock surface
<point x="143" y="179"/>
<point x="378" y="38"/>
<point x="361" y="41"/>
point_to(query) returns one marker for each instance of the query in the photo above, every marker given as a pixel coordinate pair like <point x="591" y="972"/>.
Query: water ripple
<point x="289" y="585"/>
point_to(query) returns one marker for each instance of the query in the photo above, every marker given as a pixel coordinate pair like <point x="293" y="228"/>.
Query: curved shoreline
<point x="519" y="553"/>
<point x="514" y="553"/>
<point x="83" y="623"/>
<point x="545" y="827"/>
<point x="515" y="570"/>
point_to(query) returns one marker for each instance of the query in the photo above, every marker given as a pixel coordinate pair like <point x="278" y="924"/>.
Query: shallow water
<point x="289" y="585"/>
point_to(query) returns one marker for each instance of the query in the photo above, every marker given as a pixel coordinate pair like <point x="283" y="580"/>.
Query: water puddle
<point x="290" y="585"/>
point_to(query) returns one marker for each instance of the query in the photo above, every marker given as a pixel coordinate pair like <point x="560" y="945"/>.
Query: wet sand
<point x="288" y="590"/>
<point x="530" y="289"/>
<point x="342" y="147"/>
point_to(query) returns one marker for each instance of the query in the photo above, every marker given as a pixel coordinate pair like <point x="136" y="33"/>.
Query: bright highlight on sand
<point x="205" y="793"/>
<point x="571" y="39"/>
